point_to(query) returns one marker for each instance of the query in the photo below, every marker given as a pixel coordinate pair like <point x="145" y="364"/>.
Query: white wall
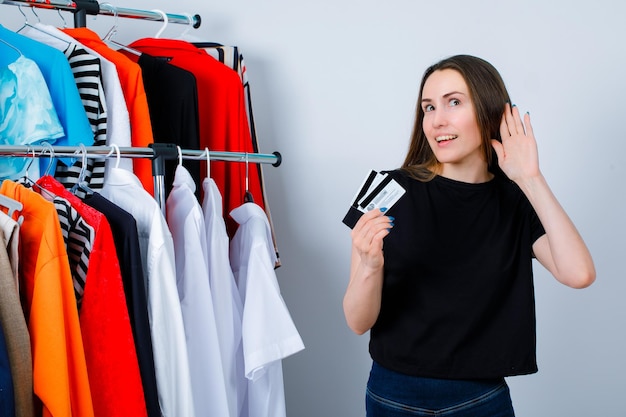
<point x="334" y="85"/>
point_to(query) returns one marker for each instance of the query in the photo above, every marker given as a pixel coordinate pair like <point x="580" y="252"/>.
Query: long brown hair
<point x="488" y="94"/>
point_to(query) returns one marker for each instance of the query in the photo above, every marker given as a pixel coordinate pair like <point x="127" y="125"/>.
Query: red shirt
<point x="223" y="117"/>
<point x="107" y="337"/>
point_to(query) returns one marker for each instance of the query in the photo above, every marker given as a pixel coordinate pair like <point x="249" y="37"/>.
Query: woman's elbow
<point x="359" y="330"/>
<point x="581" y="278"/>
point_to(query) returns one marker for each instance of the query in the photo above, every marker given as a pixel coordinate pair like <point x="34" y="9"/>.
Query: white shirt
<point x="269" y="334"/>
<point x="186" y="223"/>
<point x="226" y="299"/>
<point x="118" y="119"/>
<point x="171" y="361"/>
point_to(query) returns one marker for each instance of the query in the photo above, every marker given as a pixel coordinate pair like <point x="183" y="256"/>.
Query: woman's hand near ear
<point x="561" y="250"/>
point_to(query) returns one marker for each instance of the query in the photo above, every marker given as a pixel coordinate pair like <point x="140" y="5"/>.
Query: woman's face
<point x="450" y="124"/>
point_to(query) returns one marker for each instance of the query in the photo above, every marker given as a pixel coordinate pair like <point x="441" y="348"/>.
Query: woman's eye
<point x="455" y="102"/>
<point x="428" y="107"/>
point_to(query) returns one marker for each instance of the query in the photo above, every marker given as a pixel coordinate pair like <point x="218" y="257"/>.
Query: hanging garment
<point x="7" y="401"/>
<point x="223" y="122"/>
<point x="78" y="236"/>
<point x="105" y="326"/>
<point x="232" y="57"/>
<point x="59" y="369"/>
<point x="17" y="337"/>
<point x="124" y="228"/>
<point x="173" y="103"/>
<point x="186" y="223"/>
<point x="87" y="73"/>
<point x="226" y="299"/>
<point x="164" y="310"/>
<point x="63" y="91"/>
<point x="269" y="334"/>
<point x="27" y="115"/>
<point x="118" y="121"/>
<point x="134" y="95"/>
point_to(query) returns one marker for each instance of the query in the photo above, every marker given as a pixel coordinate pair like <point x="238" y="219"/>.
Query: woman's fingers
<point x="369" y="231"/>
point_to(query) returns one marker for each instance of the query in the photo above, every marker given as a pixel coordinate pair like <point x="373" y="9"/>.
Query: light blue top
<point x="61" y="85"/>
<point x="27" y="115"/>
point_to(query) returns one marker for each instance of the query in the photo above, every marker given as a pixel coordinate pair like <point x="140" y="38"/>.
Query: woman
<point x="443" y="279"/>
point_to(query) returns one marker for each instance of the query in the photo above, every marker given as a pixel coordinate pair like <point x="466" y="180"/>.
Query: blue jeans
<point x="391" y="394"/>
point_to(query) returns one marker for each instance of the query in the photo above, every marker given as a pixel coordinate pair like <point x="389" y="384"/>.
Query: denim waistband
<point x="427" y="393"/>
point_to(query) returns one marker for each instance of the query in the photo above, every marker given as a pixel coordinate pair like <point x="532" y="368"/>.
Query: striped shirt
<point x="78" y="236"/>
<point x="87" y="74"/>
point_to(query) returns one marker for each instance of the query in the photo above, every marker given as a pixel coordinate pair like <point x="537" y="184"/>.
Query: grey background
<point x="334" y="85"/>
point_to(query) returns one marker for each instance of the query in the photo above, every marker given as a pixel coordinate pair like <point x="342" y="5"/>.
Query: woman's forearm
<point x="563" y="251"/>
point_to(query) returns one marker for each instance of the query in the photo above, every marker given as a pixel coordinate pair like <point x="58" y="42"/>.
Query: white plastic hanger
<point x="108" y="38"/>
<point x="12" y="206"/>
<point x="165" y="21"/>
<point x="81" y="184"/>
<point x="180" y="156"/>
<point x="208" y="163"/>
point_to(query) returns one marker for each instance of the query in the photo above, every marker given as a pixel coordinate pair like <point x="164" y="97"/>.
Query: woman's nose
<point x="439" y="118"/>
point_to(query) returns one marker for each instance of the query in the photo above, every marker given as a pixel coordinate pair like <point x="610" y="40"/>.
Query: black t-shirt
<point x="458" y="297"/>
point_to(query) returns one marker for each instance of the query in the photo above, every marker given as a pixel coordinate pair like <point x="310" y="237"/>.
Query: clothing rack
<point x="158" y="152"/>
<point x="81" y="8"/>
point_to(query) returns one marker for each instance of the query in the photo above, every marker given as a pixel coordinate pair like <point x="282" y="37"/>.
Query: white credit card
<point x="376" y="191"/>
<point x="385" y="194"/>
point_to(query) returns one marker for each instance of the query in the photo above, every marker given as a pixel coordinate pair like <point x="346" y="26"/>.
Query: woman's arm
<point x="561" y="250"/>
<point x="361" y="303"/>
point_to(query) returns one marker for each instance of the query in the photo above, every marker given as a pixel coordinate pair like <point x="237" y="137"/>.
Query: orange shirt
<point x="59" y="368"/>
<point x="134" y="94"/>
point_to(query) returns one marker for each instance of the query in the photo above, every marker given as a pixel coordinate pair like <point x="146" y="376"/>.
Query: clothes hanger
<point x="116" y="149"/>
<point x="247" y="197"/>
<point x="38" y="27"/>
<point x="62" y="18"/>
<point x="50" y="150"/>
<point x="81" y="184"/>
<point x="12" y="47"/>
<point x="32" y="9"/>
<point x="12" y="206"/>
<point x="113" y="30"/>
<point x="26" y="21"/>
<point x="188" y="28"/>
<point x="108" y="38"/>
<point x="27" y="182"/>
<point x="180" y="156"/>
<point x="208" y="163"/>
<point x="165" y="22"/>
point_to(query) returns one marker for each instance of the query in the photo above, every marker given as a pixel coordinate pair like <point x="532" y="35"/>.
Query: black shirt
<point x="458" y="297"/>
<point x="126" y="238"/>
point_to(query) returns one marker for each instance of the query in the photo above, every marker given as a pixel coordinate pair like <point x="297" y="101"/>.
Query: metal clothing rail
<point x="101" y="152"/>
<point x="158" y="152"/>
<point x="81" y="8"/>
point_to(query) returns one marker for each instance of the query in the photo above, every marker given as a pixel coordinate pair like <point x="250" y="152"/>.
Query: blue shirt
<point x="27" y="115"/>
<point x="61" y="85"/>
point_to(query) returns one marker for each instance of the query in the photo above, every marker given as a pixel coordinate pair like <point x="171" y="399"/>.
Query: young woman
<point x="443" y="279"/>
